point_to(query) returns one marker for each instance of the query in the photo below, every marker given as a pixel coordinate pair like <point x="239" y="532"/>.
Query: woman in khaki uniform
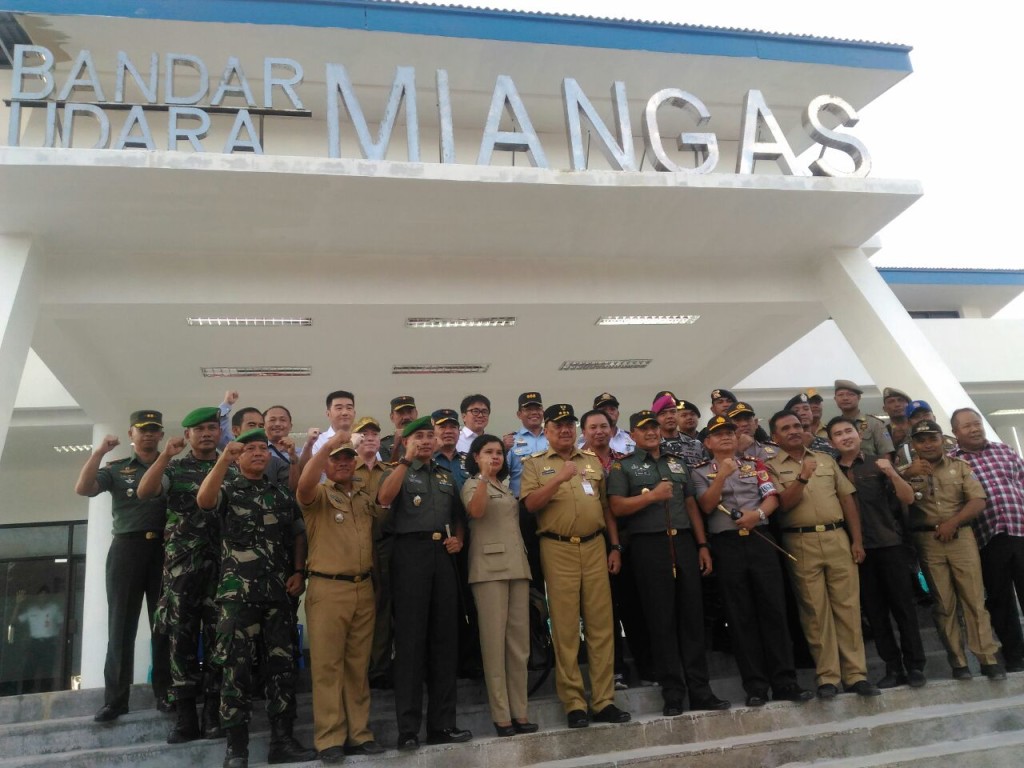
<point x="499" y="576"/>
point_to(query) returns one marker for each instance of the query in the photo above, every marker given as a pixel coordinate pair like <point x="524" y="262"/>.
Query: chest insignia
<point x="339" y="517"/>
<point x="547" y="471"/>
<point x="417" y="500"/>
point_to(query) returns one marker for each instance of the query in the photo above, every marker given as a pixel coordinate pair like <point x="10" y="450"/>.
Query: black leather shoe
<point x="612" y="714"/>
<point x="711" y="703"/>
<point x="366" y="748"/>
<point x="916" y="678"/>
<point x="526" y="727"/>
<point x="793" y="693"/>
<point x="505" y="730"/>
<point x="672" y="709"/>
<point x="408" y="742"/>
<point x="827" y="691"/>
<point x="892" y="680"/>
<point x="961" y="673"/>
<point x="109" y="713"/>
<point x="864" y="688"/>
<point x="757" y="700"/>
<point x="1015" y="666"/>
<point x="331" y="755"/>
<point x="578" y="718"/>
<point x="448" y="736"/>
<point x="993" y="671"/>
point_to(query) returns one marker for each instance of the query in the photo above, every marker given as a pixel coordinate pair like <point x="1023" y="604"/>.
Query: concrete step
<point x="858" y="739"/>
<point x="771" y="735"/>
<point x="993" y="750"/>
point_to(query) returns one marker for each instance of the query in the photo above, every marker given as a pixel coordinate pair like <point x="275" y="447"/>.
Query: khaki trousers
<point x="340" y="616"/>
<point x="577" y="581"/>
<point x="827" y="589"/>
<point x="953" y="570"/>
<point x="503" y="614"/>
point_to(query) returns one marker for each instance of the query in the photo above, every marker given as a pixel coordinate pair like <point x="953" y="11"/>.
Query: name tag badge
<point x="587" y="487"/>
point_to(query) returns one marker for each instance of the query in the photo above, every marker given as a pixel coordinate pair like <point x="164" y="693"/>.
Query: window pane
<point x="34" y="541"/>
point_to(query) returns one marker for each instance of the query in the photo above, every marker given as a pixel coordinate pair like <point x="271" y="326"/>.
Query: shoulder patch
<point x="704" y="463"/>
<point x="537" y="454"/>
<point x="585" y="452"/>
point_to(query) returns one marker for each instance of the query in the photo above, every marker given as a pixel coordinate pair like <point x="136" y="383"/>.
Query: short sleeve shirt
<point x="572" y="511"/>
<point x="880" y="510"/>
<point x="942" y="494"/>
<point x="428" y="500"/>
<point x="820" y="501"/>
<point x="745" y="488"/>
<point x="121" y="479"/>
<point x="339" y="525"/>
<point x="638" y="474"/>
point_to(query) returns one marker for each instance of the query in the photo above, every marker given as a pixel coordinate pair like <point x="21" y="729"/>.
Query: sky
<point x="951" y="124"/>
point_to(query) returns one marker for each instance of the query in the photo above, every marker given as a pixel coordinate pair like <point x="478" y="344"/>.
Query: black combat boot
<point x="186" y="728"/>
<point x="238" y="747"/>
<point x="283" y="746"/>
<point x="211" y="718"/>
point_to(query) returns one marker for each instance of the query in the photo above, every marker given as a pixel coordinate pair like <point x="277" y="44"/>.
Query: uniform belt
<point x="420" y="535"/>
<point x="815" y="528"/>
<point x="931" y="528"/>
<point x="147" y="535"/>
<point x="340" y="576"/>
<point x="737" y="532"/>
<point x="670" y="532"/>
<point x="570" y="539"/>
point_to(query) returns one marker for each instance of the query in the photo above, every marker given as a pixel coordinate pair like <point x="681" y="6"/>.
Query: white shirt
<point x="466" y="438"/>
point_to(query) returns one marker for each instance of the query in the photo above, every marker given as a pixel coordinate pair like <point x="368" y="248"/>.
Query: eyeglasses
<point x="479" y="411"/>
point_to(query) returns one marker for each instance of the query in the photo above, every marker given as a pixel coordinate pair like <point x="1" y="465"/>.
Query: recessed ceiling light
<point x="249" y="322"/>
<point x="442" y="368"/>
<point x="1008" y="412"/>
<point x="648" y="319"/>
<point x="257" y="370"/>
<point x="72" y="448"/>
<point x="460" y="322"/>
<point x="602" y="365"/>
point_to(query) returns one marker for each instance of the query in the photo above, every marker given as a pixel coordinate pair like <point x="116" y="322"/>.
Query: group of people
<point x="420" y="549"/>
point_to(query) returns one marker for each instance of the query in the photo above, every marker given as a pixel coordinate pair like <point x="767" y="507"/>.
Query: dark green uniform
<point x="257" y="521"/>
<point x="187" y="612"/>
<point x="667" y="570"/>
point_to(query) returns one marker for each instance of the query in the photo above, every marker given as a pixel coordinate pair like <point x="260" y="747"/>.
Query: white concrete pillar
<point x="19" y="307"/>
<point x="886" y="339"/>
<point x="94" y="608"/>
<point x="94" y="611"/>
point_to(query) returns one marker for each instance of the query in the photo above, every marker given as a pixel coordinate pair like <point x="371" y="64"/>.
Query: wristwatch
<point x="761" y="515"/>
<point x="405" y="462"/>
<point x="617" y="548"/>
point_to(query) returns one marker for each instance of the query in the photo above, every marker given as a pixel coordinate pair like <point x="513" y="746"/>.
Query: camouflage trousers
<point x="238" y="627"/>
<point x="187" y="614"/>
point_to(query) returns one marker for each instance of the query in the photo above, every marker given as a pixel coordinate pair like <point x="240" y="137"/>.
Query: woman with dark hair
<point x="499" y="576"/>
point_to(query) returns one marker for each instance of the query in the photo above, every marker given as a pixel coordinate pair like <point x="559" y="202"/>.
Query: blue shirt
<point x="524" y="444"/>
<point x="457" y="466"/>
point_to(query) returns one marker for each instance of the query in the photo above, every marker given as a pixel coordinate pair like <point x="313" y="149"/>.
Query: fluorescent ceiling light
<point x="648" y="319"/>
<point x="1008" y="412"/>
<point x="602" y="365"/>
<point x="257" y="370"/>
<point x="460" y="322"/>
<point x="72" y="448"/>
<point x="250" y="322"/>
<point x="442" y="368"/>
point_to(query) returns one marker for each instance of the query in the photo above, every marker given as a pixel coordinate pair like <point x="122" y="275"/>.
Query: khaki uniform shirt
<point x="943" y="494"/>
<point x="820" y="502"/>
<point x="572" y="511"/>
<point x="340" y="531"/>
<point x="496" y="549"/>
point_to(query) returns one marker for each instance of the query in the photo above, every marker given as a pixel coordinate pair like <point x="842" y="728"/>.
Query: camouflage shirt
<point x="689" y="448"/>
<point x="190" y="532"/>
<point x="257" y="521"/>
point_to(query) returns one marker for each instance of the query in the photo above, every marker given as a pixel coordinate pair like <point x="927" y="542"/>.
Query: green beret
<point x="253" y="436"/>
<point x="423" y="422"/>
<point x="201" y="416"/>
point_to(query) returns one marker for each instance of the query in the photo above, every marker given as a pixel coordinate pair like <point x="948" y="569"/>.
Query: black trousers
<point x="674" y="611"/>
<point x="134" y="568"/>
<point x="1002" y="570"/>
<point x="426" y="605"/>
<point x="754" y="598"/>
<point x="886" y="591"/>
<point x="627" y="612"/>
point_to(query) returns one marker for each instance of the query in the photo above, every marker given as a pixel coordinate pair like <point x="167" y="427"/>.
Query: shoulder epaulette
<point x="587" y="452"/>
<point x="702" y="464"/>
<point x="535" y="455"/>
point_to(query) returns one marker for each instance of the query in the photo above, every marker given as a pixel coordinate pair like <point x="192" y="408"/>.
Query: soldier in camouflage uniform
<point x="257" y="523"/>
<point x="186" y="612"/>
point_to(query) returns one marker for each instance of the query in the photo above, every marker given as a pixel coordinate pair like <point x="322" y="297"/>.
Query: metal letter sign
<point x="617" y="151"/>
<point x="404" y="86"/>
<point x="755" y="115"/>
<point x="704" y="144"/>
<point x="506" y="97"/>
<point x="833" y="139"/>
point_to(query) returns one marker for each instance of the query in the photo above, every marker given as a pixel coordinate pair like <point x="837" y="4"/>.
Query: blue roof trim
<point x="912" y="276"/>
<point x="491" y="24"/>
